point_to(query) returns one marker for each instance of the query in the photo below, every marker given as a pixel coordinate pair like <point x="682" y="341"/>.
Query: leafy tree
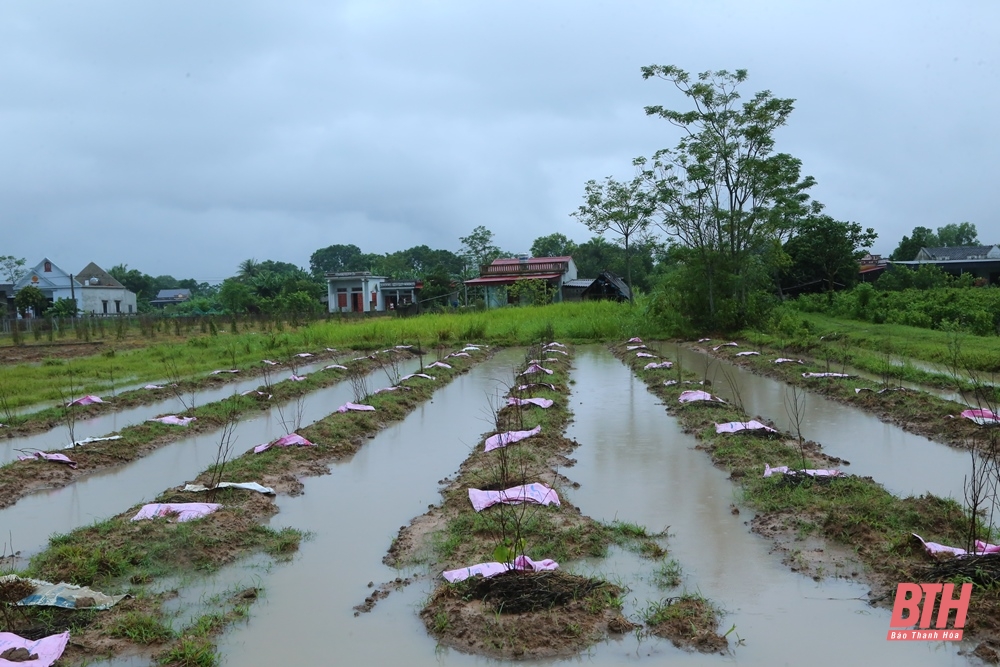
<point x="599" y="254"/>
<point x="962" y="234"/>
<point x="336" y="258"/>
<point x="12" y="268"/>
<point x="30" y="298"/>
<point x="723" y="192"/>
<point x="910" y="245"/>
<point x="553" y="245"/>
<point x="478" y="247"/>
<point x="437" y="286"/>
<point x="236" y="297"/>
<point x="532" y="292"/>
<point x="248" y="270"/>
<point x="827" y="249"/>
<point x="625" y="209"/>
<point x="135" y="281"/>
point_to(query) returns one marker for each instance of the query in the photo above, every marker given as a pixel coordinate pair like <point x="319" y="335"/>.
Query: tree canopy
<point x="828" y="250"/>
<point x="947" y="236"/>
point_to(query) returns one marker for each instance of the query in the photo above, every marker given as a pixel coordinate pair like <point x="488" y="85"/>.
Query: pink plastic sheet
<point x="653" y="364"/>
<point x="403" y="347"/>
<point x="645" y="355"/>
<point x="825" y="375"/>
<point x="693" y="395"/>
<point x="438" y="364"/>
<point x="182" y="511"/>
<point x="540" y="402"/>
<point x="556" y="352"/>
<point x="48" y="649"/>
<point x="174" y="420"/>
<point x="718" y="347"/>
<point x="535" y="368"/>
<point x="458" y="354"/>
<point x="553" y="344"/>
<point x="269" y="362"/>
<point x="356" y="407"/>
<point x="531" y="385"/>
<point x="670" y="383"/>
<point x="509" y="437"/>
<point x="493" y="569"/>
<point x="747" y="354"/>
<point x="290" y="440"/>
<point x="982" y="417"/>
<point x="417" y="375"/>
<point x="45" y="456"/>
<point x="85" y="400"/>
<point x="635" y="347"/>
<point x="982" y="548"/>
<point x="218" y="372"/>
<point x="635" y="339"/>
<point x="526" y="493"/>
<point x="704" y="340"/>
<point x="296" y="378"/>
<point x="768" y="471"/>
<point x="304" y="355"/>
<point x="736" y="427"/>
<point x="383" y="389"/>
<point x="337" y="366"/>
<point x="782" y="360"/>
<point x="154" y="386"/>
<point x="471" y="348"/>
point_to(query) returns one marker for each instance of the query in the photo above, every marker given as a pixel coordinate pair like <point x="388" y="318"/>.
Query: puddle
<point x="905" y="463"/>
<point x="635" y="464"/>
<point x="210" y="594"/>
<point x="34" y="518"/>
<point x="113" y="421"/>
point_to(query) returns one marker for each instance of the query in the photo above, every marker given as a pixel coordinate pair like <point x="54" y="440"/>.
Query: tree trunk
<point x="628" y="273"/>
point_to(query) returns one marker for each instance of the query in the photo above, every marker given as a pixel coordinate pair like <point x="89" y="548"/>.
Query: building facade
<point x="496" y="277"/>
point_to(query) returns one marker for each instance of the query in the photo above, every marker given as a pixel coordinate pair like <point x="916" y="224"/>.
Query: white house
<point x="94" y="289"/>
<point x="354" y="292"/>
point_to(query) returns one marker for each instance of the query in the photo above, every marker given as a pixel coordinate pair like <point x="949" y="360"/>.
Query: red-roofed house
<point x="503" y="272"/>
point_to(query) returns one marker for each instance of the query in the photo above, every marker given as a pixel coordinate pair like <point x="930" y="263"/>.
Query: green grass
<point x="27" y="384"/>
<point x="668" y="574"/>
<point x="141" y="628"/>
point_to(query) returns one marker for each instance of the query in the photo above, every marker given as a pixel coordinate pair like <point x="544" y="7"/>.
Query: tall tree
<point x="623" y="208"/>
<point x="829" y="250"/>
<point x="30" y="298"/>
<point x="478" y="247"/>
<point x="961" y="234"/>
<point x="908" y="248"/>
<point x="722" y="191"/>
<point x="338" y="257"/>
<point x="136" y="281"/>
<point x="553" y="245"/>
<point x="12" y="268"/>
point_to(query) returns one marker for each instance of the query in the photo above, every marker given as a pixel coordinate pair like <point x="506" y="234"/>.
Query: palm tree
<point x="249" y="269"/>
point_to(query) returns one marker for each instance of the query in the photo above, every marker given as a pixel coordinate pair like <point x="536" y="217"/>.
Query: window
<point x="48" y="267"/>
<point x="104" y="303"/>
<point x="342" y="299"/>
<point x="118" y="306"/>
<point x="130" y="308"/>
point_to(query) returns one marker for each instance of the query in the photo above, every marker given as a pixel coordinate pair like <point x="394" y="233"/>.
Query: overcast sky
<point x="184" y="137"/>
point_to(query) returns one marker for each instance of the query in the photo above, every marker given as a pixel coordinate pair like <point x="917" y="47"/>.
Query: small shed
<point x="606" y="286"/>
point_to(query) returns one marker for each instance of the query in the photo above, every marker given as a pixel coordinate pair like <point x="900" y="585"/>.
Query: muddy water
<point x="306" y="616"/>
<point x="32" y="519"/>
<point x="113" y="421"/>
<point x="906" y="464"/>
<point x="635" y="464"/>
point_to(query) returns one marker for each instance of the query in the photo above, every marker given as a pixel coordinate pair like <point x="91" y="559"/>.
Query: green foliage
<point x="12" y="268"/>
<point x="30" y="298"/>
<point x="970" y="309"/>
<point x="554" y="245"/>
<point x="532" y="292"/>
<point x="63" y="308"/>
<point x="951" y="235"/>
<point x="828" y="250"/>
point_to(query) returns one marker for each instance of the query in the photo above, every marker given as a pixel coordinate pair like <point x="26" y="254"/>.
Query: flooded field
<point x="633" y="464"/>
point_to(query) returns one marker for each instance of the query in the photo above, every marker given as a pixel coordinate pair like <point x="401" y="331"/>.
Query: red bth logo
<point x="908" y="602"/>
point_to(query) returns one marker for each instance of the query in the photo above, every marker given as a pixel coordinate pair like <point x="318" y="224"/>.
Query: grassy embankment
<point x="887" y="349"/>
<point x="526" y="615"/>
<point x="915" y="411"/>
<point x="19" y="478"/>
<point x="118" y="555"/>
<point x="855" y="512"/>
<point x="28" y="384"/>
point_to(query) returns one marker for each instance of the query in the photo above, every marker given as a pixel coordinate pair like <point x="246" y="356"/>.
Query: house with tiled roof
<point x="505" y="271"/>
<point x="94" y="289"/>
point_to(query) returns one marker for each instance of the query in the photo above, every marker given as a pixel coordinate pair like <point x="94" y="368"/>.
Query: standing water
<point x="905" y="463"/>
<point x="635" y="464"/>
<point x="32" y="519"/>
